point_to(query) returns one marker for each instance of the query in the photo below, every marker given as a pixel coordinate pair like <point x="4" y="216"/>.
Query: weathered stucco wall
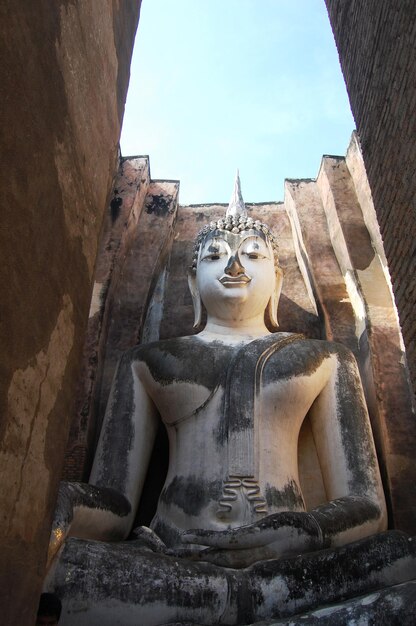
<point x="377" y="47"/>
<point x="64" y="76"/>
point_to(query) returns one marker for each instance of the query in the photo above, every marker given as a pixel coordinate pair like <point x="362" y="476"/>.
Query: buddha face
<point x="235" y="274"/>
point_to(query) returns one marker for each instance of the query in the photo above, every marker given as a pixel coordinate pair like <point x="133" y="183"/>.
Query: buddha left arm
<point x="345" y="446"/>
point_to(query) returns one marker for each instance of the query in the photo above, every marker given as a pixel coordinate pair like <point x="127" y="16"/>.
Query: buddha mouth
<point x="235" y="281"/>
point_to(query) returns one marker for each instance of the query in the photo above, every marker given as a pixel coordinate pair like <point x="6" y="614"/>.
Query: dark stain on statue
<point x="118" y="434"/>
<point x="276" y="357"/>
<point x="245" y="613"/>
<point x="289" y="498"/>
<point x="341" y="570"/>
<point x="201" y="595"/>
<point x="83" y="494"/>
<point x="191" y="494"/>
<point x="170" y="535"/>
<point x="353" y="422"/>
<point x="339" y="515"/>
<point x="187" y="359"/>
<point x="300" y="358"/>
<point x="221" y="433"/>
<point x="309" y="580"/>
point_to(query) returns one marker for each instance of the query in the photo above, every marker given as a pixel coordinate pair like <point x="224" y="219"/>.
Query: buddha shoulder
<point x="188" y="359"/>
<point x="181" y="359"/>
<point x="299" y="356"/>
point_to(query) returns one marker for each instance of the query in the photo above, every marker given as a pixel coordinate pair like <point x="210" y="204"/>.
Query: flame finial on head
<point x="236" y="208"/>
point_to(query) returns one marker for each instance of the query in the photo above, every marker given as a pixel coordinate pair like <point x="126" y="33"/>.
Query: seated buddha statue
<point x="231" y="541"/>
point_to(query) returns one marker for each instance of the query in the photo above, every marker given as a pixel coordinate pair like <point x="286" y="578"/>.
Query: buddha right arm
<point x="105" y="508"/>
<point x="88" y="512"/>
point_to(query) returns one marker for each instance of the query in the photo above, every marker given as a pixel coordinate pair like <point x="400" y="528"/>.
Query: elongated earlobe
<point x="271" y="309"/>
<point x="196" y="298"/>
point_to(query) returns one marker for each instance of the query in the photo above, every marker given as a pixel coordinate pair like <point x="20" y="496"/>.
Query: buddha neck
<point x="233" y="332"/>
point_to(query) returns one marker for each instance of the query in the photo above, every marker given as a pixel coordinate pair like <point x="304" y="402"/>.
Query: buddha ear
<point x="196" y="298"/>
<point x="271" y="309"/>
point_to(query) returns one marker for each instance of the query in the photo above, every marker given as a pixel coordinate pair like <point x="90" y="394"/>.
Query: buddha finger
<point x="146" y="537"/>
<point x="235" y="558"/>
<point x="232" y="539"/>
<point x="273" y="529"/>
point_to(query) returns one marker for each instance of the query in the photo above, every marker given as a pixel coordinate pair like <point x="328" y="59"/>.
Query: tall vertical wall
<point x="376" y="42"/>
<point x="64" y="74"/>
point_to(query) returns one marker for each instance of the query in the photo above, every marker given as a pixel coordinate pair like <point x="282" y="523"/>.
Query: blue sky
<point x="221" y="84"/>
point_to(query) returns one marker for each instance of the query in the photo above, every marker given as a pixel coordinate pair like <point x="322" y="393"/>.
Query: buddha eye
<point x="214" y="256"/>
<point x="254" y="249"/>
<point x="254" y="255"/>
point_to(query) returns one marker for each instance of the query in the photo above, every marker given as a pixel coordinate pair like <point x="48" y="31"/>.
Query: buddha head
<point x="235" y="272"/>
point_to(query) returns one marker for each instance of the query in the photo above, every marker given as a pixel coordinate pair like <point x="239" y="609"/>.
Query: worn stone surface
<point x="146" y="592"/>
<point x="64" y="76"/>
<point x="394" y="605"/>
<point x="376" y="43"/>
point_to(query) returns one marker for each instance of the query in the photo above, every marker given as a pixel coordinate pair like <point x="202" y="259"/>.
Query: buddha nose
<point x="234" y="267"/>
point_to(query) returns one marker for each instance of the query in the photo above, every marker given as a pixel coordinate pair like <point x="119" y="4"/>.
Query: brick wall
<point x="376" y="41"/>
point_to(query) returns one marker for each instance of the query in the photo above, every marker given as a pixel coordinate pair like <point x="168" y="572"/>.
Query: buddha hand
<point x="275" y="536"/>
